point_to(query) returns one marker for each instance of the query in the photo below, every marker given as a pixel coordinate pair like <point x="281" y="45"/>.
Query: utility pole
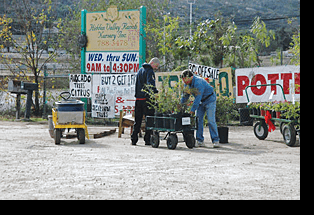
<point x="191" y="2"/>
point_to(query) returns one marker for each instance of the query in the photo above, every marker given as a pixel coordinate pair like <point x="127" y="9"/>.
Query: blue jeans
<point x="210" y="109"/>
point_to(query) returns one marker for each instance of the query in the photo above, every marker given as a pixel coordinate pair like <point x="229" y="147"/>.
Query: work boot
<point x="134" y="140"/>
<point x="216" y="144"/>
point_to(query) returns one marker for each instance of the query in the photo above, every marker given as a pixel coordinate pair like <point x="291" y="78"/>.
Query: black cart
<point x="172" y="124"/>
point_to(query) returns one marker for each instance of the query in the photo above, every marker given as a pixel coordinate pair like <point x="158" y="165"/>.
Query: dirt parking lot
<point x="32" y="167"/>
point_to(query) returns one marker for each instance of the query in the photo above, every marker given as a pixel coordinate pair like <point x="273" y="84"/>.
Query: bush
<point x="225" y="110"/>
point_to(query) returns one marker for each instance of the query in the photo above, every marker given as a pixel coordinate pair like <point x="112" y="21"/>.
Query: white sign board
<point x="103" y="105"/>
<point x="112" y="62"/>
<point x="80" y="85"/>
<point x="204" y="71"/>
<point x="287" y="76"/>
<point x="122" y="86"/>
<point x="186" y="121"/>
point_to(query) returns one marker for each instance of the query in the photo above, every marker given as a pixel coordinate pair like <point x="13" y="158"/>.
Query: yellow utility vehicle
<point x="68" y="114"/>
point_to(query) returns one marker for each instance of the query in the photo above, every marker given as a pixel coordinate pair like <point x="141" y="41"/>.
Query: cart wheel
<point x="154" y="139"/>
<point x="299" y="133"/>
<point x="57" y="136"/>
<point x="289" y="135"/>
<point x="81" y="135"/>
<point x="260" y="130"/>
<point x="282" y="124"/>
<point x="189" y="140"/>
<point x="172" y="141"/>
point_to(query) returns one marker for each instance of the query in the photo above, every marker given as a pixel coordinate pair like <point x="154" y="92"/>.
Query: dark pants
<point x="141" y="108"/>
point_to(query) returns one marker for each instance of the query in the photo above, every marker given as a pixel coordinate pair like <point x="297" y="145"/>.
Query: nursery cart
<point x="172" y="124"/>
<point x="68" y="114"/>
<point x="288" y="128"/>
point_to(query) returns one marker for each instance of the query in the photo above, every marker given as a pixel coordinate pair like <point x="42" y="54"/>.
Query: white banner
<point x="80" y="85"/>
<point x="112" y="62"/>
<point x="204" y="71"/>
<point x="122" y="86"/>
<point x="286" y="76"/>
<point x="103" y="105"/>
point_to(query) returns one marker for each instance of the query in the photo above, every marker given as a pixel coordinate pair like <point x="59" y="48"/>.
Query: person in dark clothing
<point x="145" y="76"/>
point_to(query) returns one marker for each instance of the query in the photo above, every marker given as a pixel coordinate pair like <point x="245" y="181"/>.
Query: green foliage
<point x="206" y="39"/>
<point x="292" y="111"/>
<point x="164" y="36"/>
<point x="225" y="110"/>
<point x="224" y="44"/>
<point x="296" y="48"/>
<point x="167" y="100"/>
<point x="288" y="109"/>
<point x="244" y="49"/>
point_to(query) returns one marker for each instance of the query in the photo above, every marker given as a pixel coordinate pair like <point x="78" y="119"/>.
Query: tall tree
<point x="207" y="40"/>
<point x="244" y="49"/>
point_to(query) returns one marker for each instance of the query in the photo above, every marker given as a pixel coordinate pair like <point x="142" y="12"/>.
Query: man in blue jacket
<point x="204" y="102"/>
<point x="145" y="76"/>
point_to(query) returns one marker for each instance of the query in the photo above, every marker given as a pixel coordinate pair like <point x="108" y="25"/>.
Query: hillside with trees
<point x="242" y="11"/>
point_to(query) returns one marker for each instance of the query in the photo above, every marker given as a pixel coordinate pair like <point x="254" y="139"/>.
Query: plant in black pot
<point x="224" y="110"/>
<point x="165" y="102"/>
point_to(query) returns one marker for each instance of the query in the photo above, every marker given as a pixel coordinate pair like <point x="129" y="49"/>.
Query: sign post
<point x="142" y="50"/>
<point x="83" y="50"/>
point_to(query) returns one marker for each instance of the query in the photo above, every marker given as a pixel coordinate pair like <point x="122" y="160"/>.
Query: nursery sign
<point x="80" y="85"/>
<point x="287" y="76"/>
<point x="115" y="40"/>
<point x="113" y="30"/>
<point x="113" y="54"/>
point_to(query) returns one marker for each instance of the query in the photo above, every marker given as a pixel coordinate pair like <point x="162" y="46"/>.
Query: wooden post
<point x="120" y="124"/>
<point x="18" y="105"/>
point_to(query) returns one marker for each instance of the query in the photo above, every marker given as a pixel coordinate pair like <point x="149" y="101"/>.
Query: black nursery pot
<point x="223" y="134"/>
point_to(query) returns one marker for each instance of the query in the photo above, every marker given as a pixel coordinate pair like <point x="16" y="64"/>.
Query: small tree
<point x="34" y="22"/>
<point x="164" y="36"/>
<point x="206" y="40"/>
<point x="244" y="49"/>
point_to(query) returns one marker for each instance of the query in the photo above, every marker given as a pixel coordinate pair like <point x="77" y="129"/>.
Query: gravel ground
<point x="32" y="167"/>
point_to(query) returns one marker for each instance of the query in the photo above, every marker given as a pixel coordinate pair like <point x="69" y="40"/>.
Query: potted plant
<point x="166" y="102"/>
<point x="284" y="108"/>
<point x="277" y="108"/>
<point x="269" y="107"/>
<point x="224" y="109"/>
<point x="255" y="108"/>
<point x="263" y="109"/>
<point x="292" y="111"/>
